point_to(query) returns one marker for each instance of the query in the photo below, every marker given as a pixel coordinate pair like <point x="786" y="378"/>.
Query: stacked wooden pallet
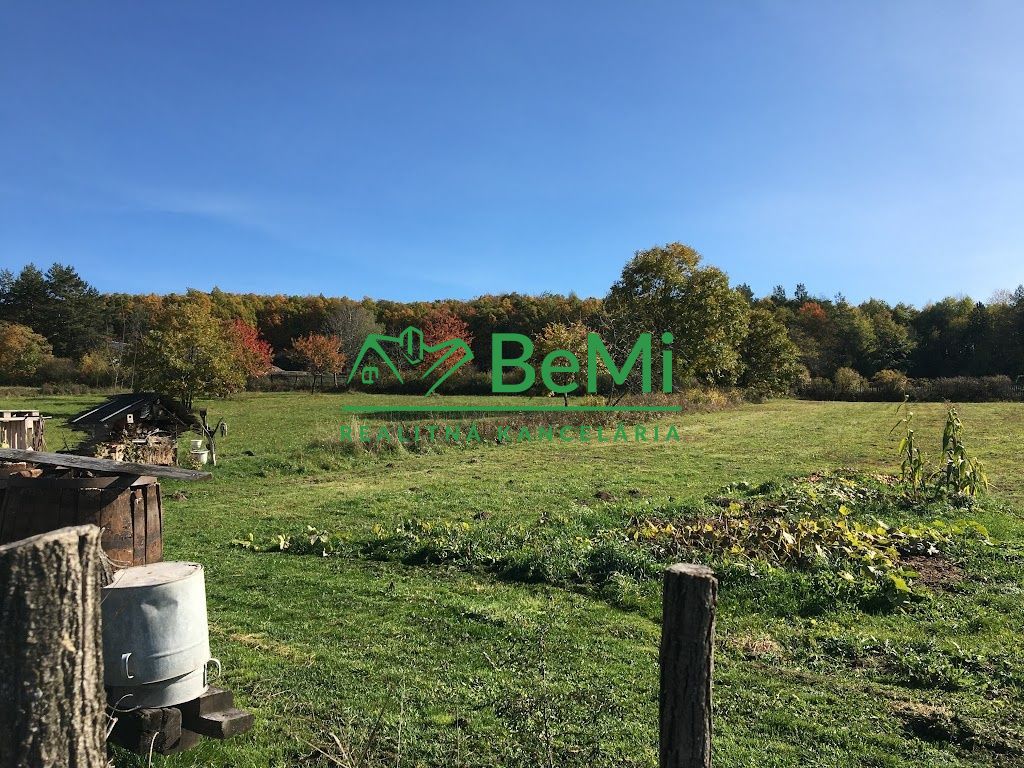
<point x="22" y="430"/>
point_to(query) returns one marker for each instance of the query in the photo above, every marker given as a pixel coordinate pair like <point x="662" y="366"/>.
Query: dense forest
<point x="55" y="327"/>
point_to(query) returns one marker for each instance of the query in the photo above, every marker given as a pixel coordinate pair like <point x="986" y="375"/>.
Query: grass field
<point x="376" y="658"/>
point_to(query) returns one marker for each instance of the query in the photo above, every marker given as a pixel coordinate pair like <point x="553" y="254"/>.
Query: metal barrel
<point x="154" y="626"/>
<point x="165" y="693"/>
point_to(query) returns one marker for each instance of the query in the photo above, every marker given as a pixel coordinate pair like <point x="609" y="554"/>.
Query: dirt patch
<point x="756" y="646"/>
<point x="934" y="571"/>
<point x="604" y="496"/>
<point x="933" y="723"/>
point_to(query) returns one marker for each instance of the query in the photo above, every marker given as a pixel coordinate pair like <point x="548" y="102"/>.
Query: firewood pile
<point x="140" y="446"/>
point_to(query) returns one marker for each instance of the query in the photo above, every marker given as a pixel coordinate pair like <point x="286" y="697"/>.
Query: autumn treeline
<point x="55" y="327"/>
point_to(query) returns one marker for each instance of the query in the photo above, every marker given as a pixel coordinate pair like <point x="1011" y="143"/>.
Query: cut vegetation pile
<point x="846" y="537"/>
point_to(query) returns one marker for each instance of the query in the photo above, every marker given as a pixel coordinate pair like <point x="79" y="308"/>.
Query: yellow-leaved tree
<point x="568" y="337"/>
<point x="189" y="353"/>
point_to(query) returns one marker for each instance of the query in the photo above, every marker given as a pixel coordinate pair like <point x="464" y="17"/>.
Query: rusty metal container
<point x="156" y="640"/>
<point x="128" y="509"/>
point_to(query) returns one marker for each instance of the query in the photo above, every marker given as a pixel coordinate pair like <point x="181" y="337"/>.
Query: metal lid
<point x="153" y="575"/>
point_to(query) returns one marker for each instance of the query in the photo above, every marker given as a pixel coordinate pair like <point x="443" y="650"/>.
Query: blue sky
<point x="427" y="150"/>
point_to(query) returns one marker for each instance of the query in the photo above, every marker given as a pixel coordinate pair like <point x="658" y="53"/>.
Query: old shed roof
<point x="141" y="405"/>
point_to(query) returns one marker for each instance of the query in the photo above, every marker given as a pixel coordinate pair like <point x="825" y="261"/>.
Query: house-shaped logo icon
<point x="410" y="345"/>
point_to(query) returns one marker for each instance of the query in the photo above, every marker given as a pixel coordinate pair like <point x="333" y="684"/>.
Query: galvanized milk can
<point x="156" y="641"/>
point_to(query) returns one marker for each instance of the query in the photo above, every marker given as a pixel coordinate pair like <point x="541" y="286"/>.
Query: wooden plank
<point x="68" y="510"/>
<point x="154" y="525"/>
<point x="225" y="724"/>
<point x="169" y="730"/>
<point x="214" y="700"/>
<point x="6" y="520"/>
<point x="215" y="716"/>
<point x="100" y="465"/>
<point x="110" y="511"/>
<point x="115" y="484"/>
<point x="137" y="510"/>
<point x="158" y="730"/>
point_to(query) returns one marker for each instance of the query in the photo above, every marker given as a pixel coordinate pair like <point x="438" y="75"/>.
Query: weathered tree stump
<point x="687" y="663"/>
<point x="51" y="657"/>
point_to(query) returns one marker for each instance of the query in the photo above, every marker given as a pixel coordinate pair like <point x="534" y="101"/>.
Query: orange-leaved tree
<point x="320" y="355"/>
<point x="444" y="325"/>
<point x="252" y="351"/>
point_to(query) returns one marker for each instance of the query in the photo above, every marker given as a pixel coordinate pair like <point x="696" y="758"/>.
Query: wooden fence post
<point x="687" y="662"/>
<point x="51" y="651"/>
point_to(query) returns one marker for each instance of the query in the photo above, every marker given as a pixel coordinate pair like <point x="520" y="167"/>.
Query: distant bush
<point x="279" y="383"/>
<point x="892" y="382"/>
<point x="72" y="388"/>
<point x="18" y="391"/>
<point x="892" y="386"/>
<point x="817" y="388"/>
<point x="803" y="377"/>
<point x="699" y="398"/>
<point x="58" y="370"/>
<point x="885" y="386"/>
<point x="967" y="389"/>
<point x="848" y="382"/>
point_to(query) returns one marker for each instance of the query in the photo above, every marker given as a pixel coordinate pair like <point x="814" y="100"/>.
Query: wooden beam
<point x="169" y="730"/>
<point x="224" y="725"/>
<point x="215" y="716"/>
<point x="156" y="731"/>
<point x="105" y="466"/>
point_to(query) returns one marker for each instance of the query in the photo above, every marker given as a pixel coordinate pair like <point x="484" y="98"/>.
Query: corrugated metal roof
<point x="142" y="406"/>
<point x="118" y="406"/>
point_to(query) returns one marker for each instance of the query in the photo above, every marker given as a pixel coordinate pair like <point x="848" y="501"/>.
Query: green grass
<point x="472" y="668"/>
